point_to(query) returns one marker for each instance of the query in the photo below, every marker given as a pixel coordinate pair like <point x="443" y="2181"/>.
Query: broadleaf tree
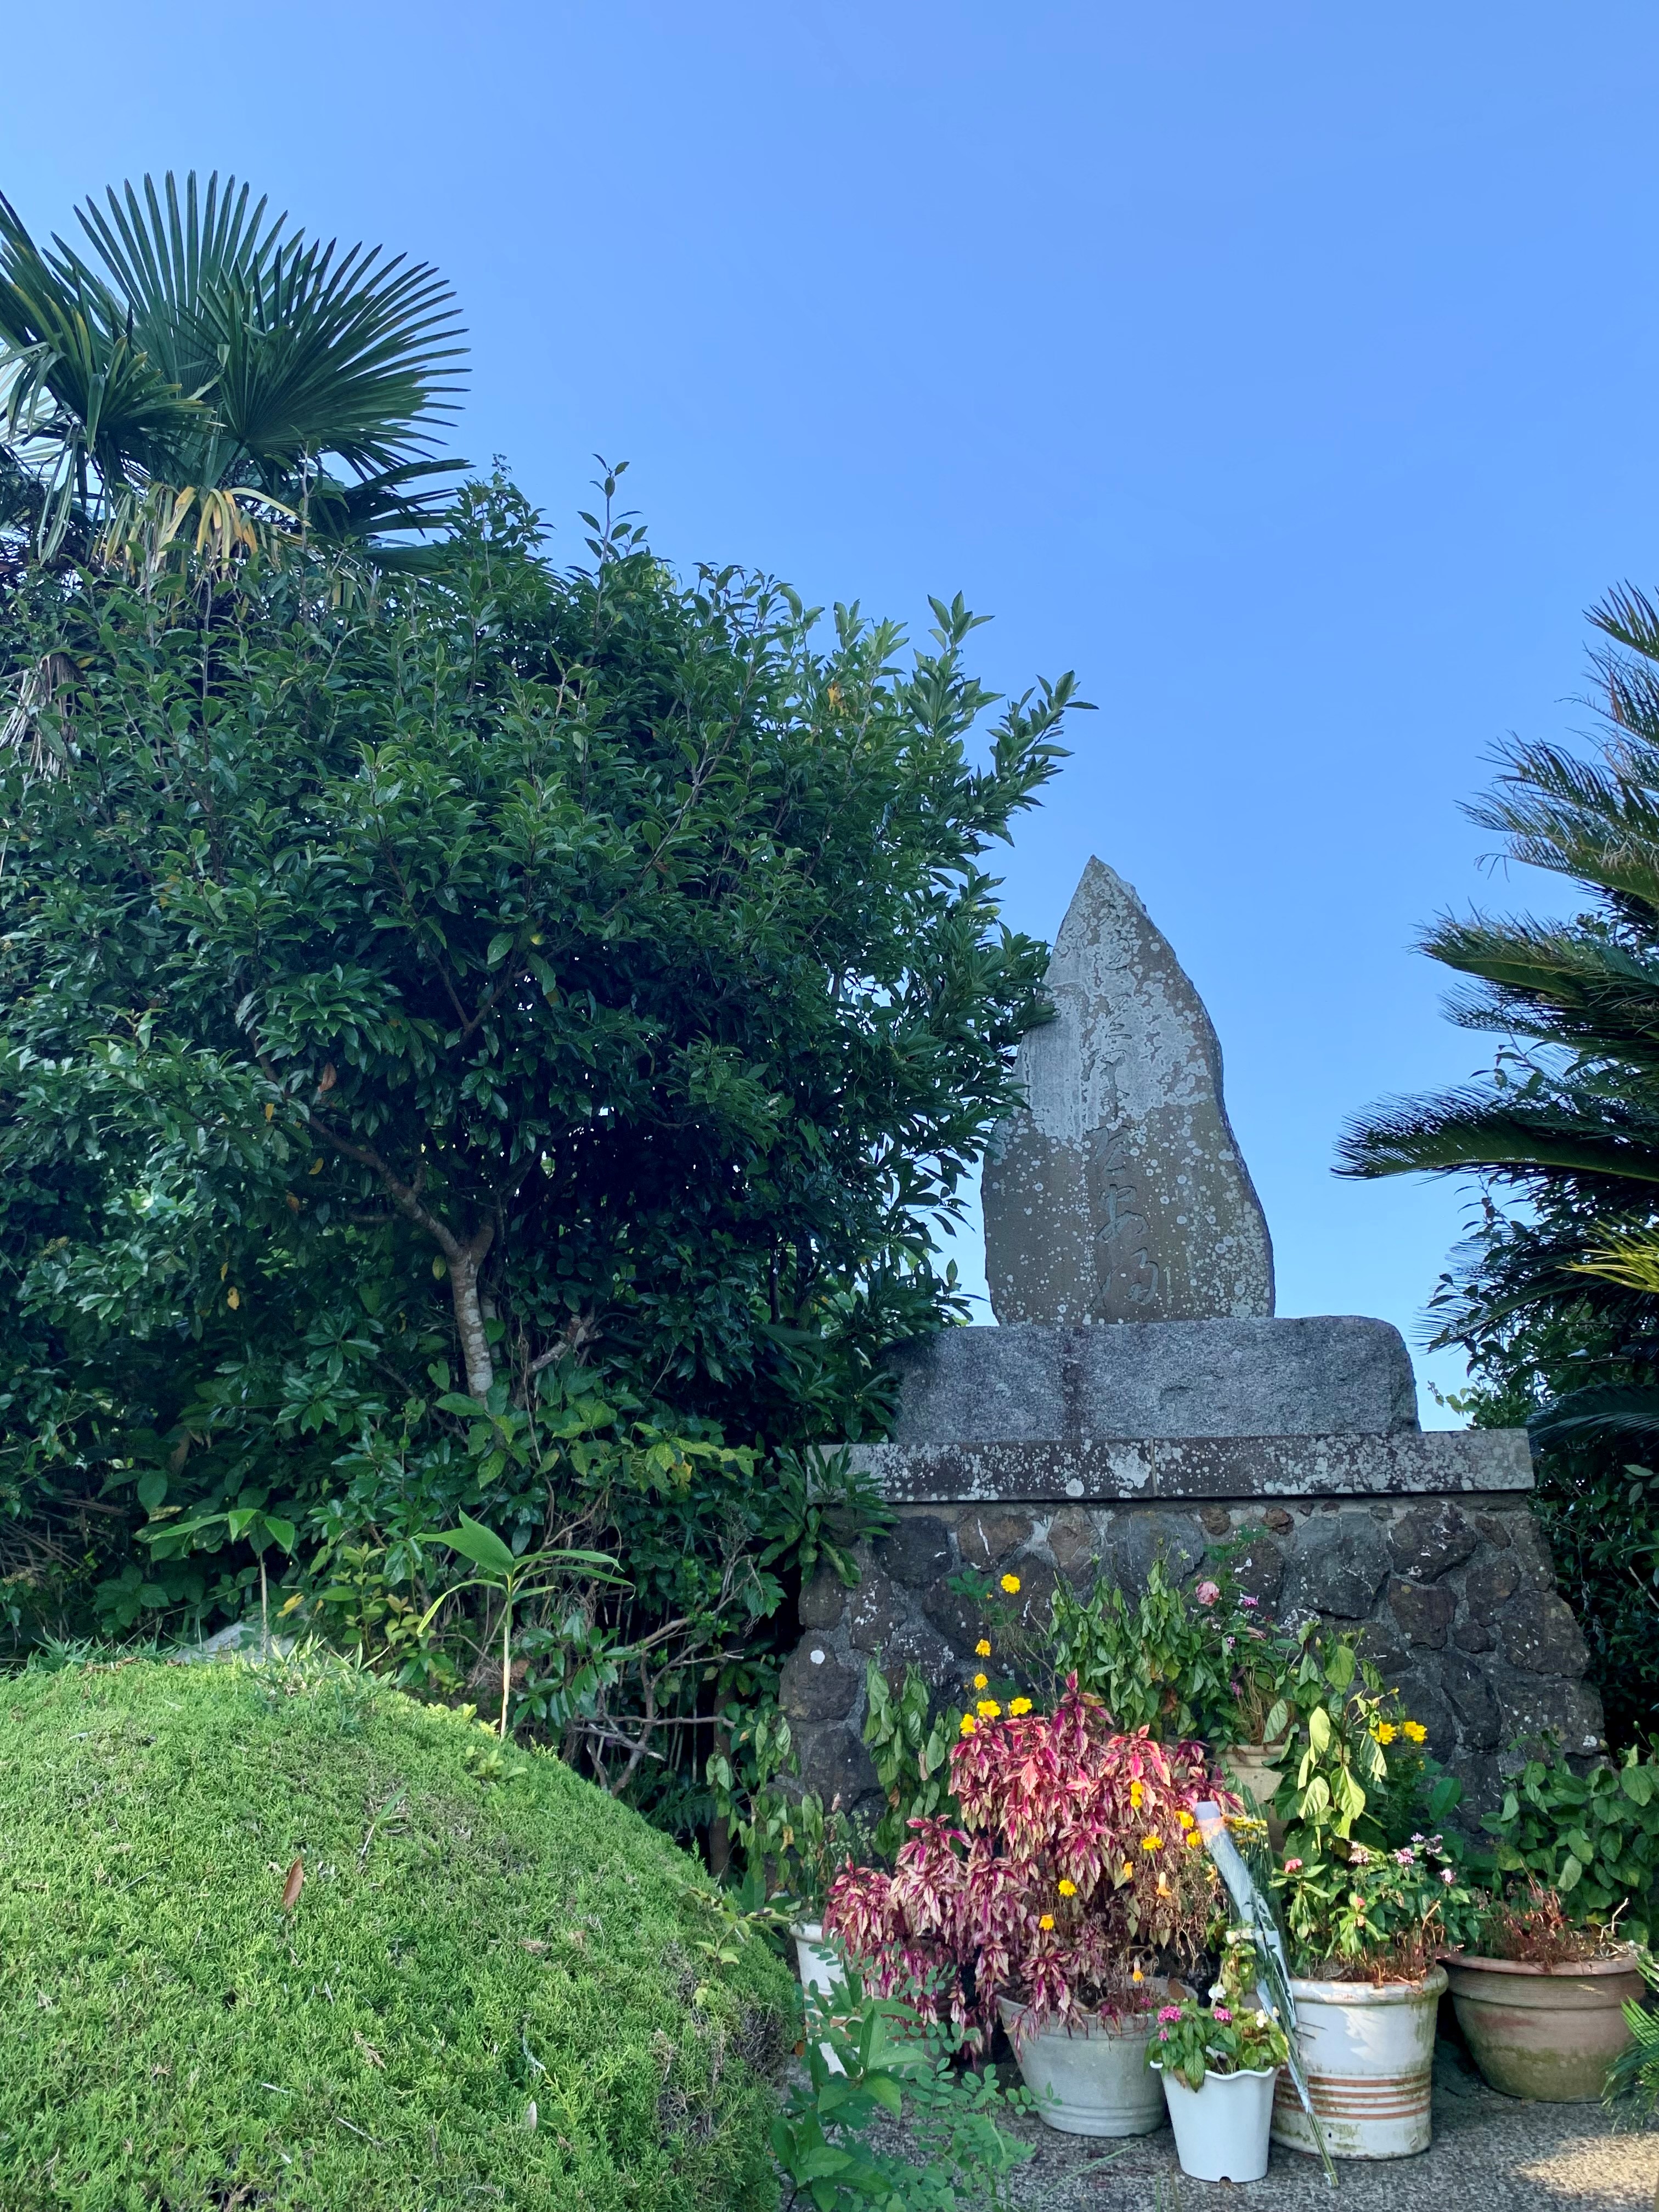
<point x="504" y="1043"/>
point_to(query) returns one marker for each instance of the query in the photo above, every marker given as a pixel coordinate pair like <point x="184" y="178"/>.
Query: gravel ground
<point x="1489" y="2153"/>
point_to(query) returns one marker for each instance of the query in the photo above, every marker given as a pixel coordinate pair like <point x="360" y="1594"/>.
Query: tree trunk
<point x="463" y="1264"/>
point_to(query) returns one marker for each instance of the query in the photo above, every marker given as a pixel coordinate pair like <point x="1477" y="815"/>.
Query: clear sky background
<point x="1286" y="370"/>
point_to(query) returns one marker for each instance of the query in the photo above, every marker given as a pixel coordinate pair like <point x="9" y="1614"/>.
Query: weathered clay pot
<point x="1094" y="2080"/>
<point x="1259" y="1768"/>
<point x="1368" y="2051"/>
<point x="1545" y="2032"/>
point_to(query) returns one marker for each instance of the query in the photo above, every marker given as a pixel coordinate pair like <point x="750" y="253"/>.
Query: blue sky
<point x="1284" y="370"/>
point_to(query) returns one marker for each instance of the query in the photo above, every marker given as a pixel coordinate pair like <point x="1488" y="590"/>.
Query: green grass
<point x="464" y="1947"/>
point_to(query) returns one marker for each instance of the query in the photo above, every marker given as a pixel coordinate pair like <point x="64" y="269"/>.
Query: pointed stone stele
<point x="1118" y="1193"/>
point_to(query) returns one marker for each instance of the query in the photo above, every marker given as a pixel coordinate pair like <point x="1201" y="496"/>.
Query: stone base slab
<point x="1428" y="1462"/>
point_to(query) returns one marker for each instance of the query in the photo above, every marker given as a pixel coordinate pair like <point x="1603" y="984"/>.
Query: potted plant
<point x="1366" y="1928"/>
<point x="1218" y="2064"/>
<point x="1074" y="1883"/>
<point x="1541" y="2001"/>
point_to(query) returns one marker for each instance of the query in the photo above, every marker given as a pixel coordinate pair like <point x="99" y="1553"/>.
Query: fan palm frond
<point x="198" y="341"/>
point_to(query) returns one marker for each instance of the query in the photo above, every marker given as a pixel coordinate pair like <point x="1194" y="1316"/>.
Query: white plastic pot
<point x="819" y="1969"/>
<point x="1221" y="2127"/>
<point x="1092" y="2080"/>
<point x="1368" y="2051"/>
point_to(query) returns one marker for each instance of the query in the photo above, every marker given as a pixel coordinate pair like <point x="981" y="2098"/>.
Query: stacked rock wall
<point x="1457" y="1599"/>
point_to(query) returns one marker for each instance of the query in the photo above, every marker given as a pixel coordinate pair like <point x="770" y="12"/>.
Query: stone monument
<point x="1139" y="1399"/>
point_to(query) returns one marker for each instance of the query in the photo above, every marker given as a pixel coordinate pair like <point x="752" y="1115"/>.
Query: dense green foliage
<point x="495" y="1984"/>
<point x="889" y="2065"/>
<point x="195" y="365"/>
<point x="1593" y="1839"/>
<point x="499" y="1043"/>
<point x="1557" y="1303"/>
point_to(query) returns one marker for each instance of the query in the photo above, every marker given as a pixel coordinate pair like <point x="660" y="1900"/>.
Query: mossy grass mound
<point x="469" y="1944"/>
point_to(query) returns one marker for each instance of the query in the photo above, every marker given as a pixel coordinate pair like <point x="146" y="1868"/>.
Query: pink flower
<point x="1292" y="1866"/>
<point x="1163" y="2035"/>
<point x="1208" y="1592"/>
<point x="1250" y="1603"/>
<point x="1221" y="2013"/>
<point x="1169" y="2012"/>
<point x="1447" y="1876"/>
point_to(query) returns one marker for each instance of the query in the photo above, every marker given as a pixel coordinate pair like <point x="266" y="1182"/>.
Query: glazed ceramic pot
<point x="1259" y="1768"/>
<point x="1368" y="2049"/>
<point x="819" y="1969"/>
<point x="1221" y="2128"/>
<point x="1545" y="2032"/>
<point x="1092" y="2079"/>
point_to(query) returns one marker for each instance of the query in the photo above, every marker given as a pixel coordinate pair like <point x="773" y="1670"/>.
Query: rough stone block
<point x="1075" y="1544"/>
<point x="1340" y="1566"/>
<point x="1530" y="1708"/>
<point x="1540" y="1635"/>
<point x="1495" y="1528"/>
<point x="1432" y="1540"/>
<point x="1136" y="1539"/>
<point x="1527" y="1546"/>
<point x="875" y="1610"/>
<point x="1278" y="1520"/>
<point x="815" y="1686"/>
<point x="1470" y="1694"/>
<point x="917" y="1552"/>
<point x="1472" y="1635"/>
<point x="1259" y="1570"/>
<point x="985" y="1536"/>
<point x="1490" y="1584"/>
<point x="835" y="1763"/>
<point x="823" y="1600"/>
<point x="957" y="1621"/>
<point x="1424" y="1610"/>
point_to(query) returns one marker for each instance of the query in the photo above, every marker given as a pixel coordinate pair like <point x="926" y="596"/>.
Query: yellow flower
<point x="1067" y="1888"/>
<point x="1011" y="1583"/>
<point x="1194" y="1840"/>
<point x="1136" y="1793"/>
<point x="1127" y="1871"/>
<point x="1047" y="1922"/>
<point x="1415" y="1730"/>
<point x="988" y="1709"/>
<point x="982" y="1649"/>
<point x="967" y="1724"/>
<point x="1163" y="1886"/>
<point x="1152" y="1842"/>
<point x="1185" y="1818"/>
<point x="1383" y="1731"/>
<point x="1018" y="1707"/>
<point x="979" y="1681"/>
<point x="1137" y="1976"/>
<point x="234" y="1299"/>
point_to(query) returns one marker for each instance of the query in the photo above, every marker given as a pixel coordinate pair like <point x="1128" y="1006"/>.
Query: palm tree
<point x="204" y="349"/>
<point x="1568" y="1119"/>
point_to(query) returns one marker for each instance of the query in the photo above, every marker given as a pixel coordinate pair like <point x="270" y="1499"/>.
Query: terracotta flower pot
<point x="1093" y="2079"/>
<point x="1368" y="2049"/>
<point x="1549" y="2033"/>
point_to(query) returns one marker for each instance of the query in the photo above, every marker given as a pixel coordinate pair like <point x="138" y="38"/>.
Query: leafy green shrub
<point x="1593" y="1839"/>
<point x="889" y="2062"/>
<point x="495" y="1985"/>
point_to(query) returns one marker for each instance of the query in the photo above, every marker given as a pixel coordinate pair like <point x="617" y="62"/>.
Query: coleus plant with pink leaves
<point x="1075" y="1879"/>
